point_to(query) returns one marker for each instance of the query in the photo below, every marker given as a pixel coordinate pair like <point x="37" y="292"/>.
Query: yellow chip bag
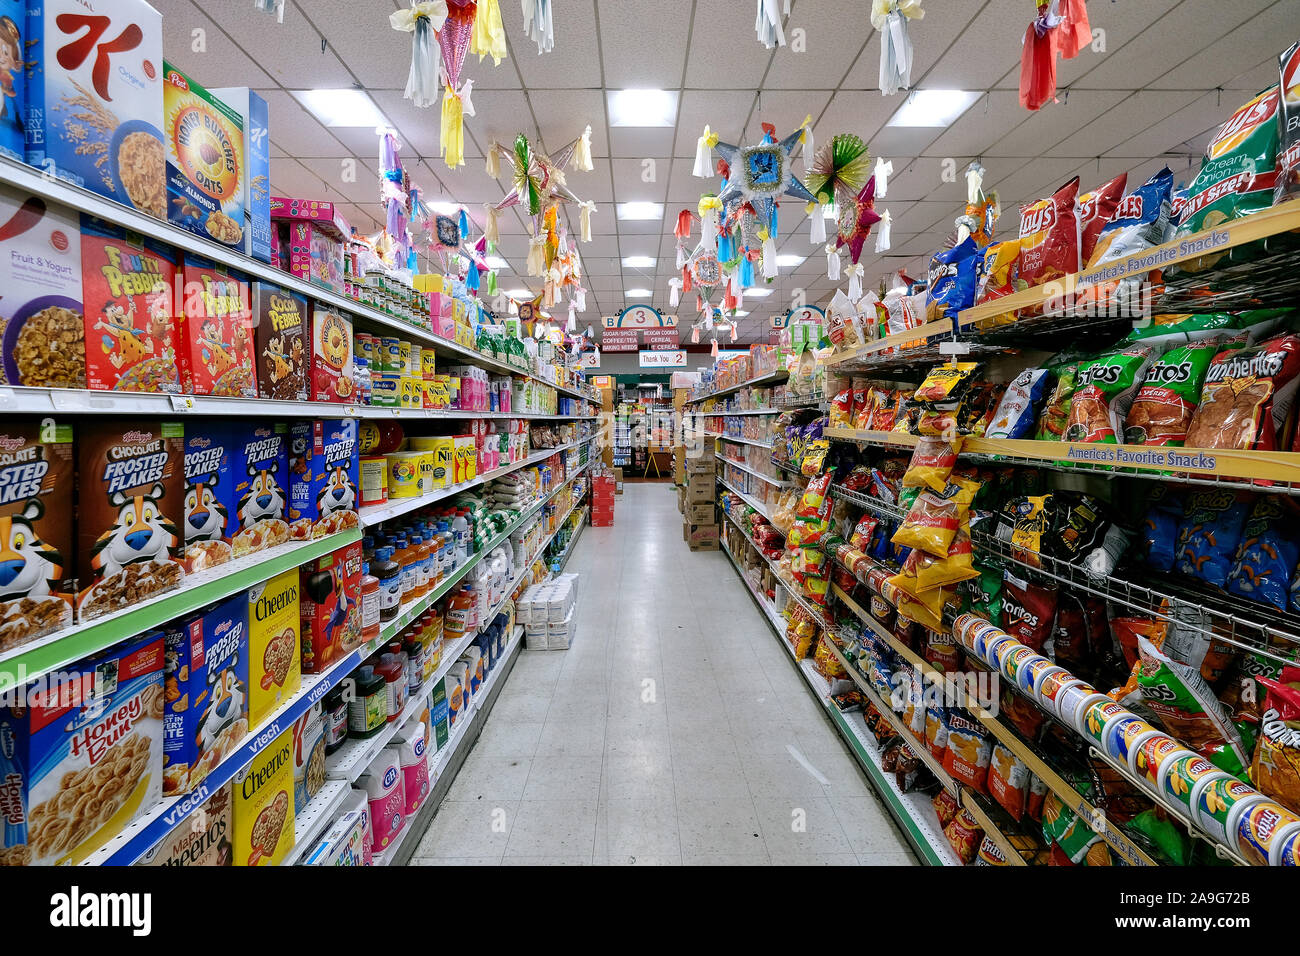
<point x="946" y="383"/>
<point x="935" y="517"/>
<point x="932" y="462"/>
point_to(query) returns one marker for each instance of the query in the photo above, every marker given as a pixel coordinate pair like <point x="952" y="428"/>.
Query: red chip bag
<point x="1049" y="236"/>
<point x="1028" y="610"/>
<point x="964" y="836"/>
<point x="1095" y="210"/>
<point x="1247" y="397"/>
<point x="945" y="807"/>
<point x="1008" y="781"/>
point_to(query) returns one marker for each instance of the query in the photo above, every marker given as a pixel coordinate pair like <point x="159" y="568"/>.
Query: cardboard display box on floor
<point x="701" y="537"/>
<point x="618" y="481"/>
<point x="700" y="513"/>
<point x="700" y="489"/>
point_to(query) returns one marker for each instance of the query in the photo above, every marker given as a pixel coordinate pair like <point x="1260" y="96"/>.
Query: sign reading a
<point x="619" y="340"/>
<point x="661" y="338"/>
<point x="663" y="359"/>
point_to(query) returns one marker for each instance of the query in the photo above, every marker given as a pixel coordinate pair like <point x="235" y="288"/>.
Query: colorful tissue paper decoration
<point x="890" y="17"/>
<point x="856" y="219"/>
<point x="1060" y="27"/>
<point x="538" y="181"/>
<point x="761" y="174"/>
<point x="422" y="21"/>
<point x="839" y="170"/>
<point x="767" y="24"/>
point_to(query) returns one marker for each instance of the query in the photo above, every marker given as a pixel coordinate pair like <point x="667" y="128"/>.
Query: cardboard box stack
<point x="602" y="500"/>
<point x="699" y="513"/>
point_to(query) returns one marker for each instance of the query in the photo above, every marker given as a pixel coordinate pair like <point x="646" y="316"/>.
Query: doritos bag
<point x="1106" y="386"/>
<point x="954" y="274"/>
<point x="1049" y="236"/>
<point x="1095" y="210"/>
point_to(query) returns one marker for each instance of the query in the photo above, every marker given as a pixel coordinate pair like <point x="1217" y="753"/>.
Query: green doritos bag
<point x="1170" y="392"/>
<point x="1102" y="395"/>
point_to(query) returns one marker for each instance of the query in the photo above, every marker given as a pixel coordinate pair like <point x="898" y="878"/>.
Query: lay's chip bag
<point x="1096" y="207"/>
<point x="1140" y="221"/>
<point x="1049" y="236"/>
<point x="1288" y="151"/>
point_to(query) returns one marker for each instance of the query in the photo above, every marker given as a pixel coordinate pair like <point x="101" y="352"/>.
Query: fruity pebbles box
<point x="128" y="284"/>
<point x="206" y="161"/>
<point x="37" y="586"/>
<point x="130" y="495"/>
<point x="94" y="111"/>
<point x="324" y="469"/>
<point x="216" y="333"/>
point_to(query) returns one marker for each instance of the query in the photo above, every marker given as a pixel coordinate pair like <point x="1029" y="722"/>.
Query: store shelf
<point x="771" y="378"/>
<point x="736" y="411"/>
<point x="563" y="559"/>
<point x="71" y="644"/>
<point x="315" y="819"/>
<point x="777" y="482"/>
<point x="912" y="344"/>
<point x="739" y="441"/>
<point x="747" y="499"/>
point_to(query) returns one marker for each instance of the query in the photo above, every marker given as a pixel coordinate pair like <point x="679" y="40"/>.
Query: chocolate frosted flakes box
<point x="260" y="474"/>
<point x="130" y="492"/>
<point x="37" y="586"/>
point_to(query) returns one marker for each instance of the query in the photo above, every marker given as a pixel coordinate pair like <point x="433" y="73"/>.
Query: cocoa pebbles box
<point x="37" y="586"/>
<point x="260" y="475"/>
<point x="324" y="469"/>
<point x="281" y="320"/>
<point x="130" y="491"/>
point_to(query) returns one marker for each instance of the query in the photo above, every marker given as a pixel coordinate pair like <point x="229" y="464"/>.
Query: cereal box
<point x="130" y="495"/>
<point x="331" y="356"/>
<point x="37" y="586"/>
<point x="44" y="334"/>
<point x="94" y="98"/>
<point x="263" y="793"/>
<point x="330" y="608"/>
<point x="256" y="119"/>
<point x="13" y="86"/>
<point x="280" y="318"/>
<point x="324" y="469"/>
<point x="202" y="840"/>
<point x="313" y="233"/>
<point x="216" y="333"/>
<point x="274" y="667"/>
<point x="206" y="162"/>
<point x="205" y="691"/>
<point x="261" y="478"/>
<point x="308" y="756"/>
<point x="209" y="493"/>
<point x="128" y="285"/>
<point x="83" y="757"/>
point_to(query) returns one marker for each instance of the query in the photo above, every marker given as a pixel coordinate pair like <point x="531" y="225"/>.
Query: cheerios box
<point x="81" y="757"/>
<point x="94" y="112"/>
<point x="207" y="165"/>
<point x="36" y="542"/>
<point x="206" y="691"/>
<point x="260" y="466"/>
<point x="329" y="607"/>
<point x="331" y="356"/>
<point x="324" y="472"/>
<point x="203" y="839"/>
<point x="215" y="331"/>
<point x="263" y="798"/>
<point x="274" y="662"/>
<point x="209" y="519"/>
<point x="128" y="284"/>
<point x="255" y="114"/>
<point x="41" y="310"/>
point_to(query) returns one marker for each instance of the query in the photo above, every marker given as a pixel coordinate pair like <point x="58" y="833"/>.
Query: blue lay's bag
<point x="1211" y="530"/>
<point x="954" y="274"/>
<point x="1270" y="549"/>
<point x="1140" y="222"/>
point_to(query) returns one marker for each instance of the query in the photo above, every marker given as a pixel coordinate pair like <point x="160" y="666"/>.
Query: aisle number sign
<point x="675" y="358"/>
<point x="619" y="340"/>
<point x="590" y="359"/>
<point x="639" y="317"/>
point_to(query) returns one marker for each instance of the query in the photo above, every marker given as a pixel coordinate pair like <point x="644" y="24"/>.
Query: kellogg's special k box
<point x="324" y="470"/>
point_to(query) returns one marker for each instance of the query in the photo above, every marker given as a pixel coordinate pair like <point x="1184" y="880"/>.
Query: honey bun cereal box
<point x="130" y="494"/>
<point x="263" y="793"/>
<point x="282" y="339"/>
<point x="203" y="840"/>
<point x="253" y="111"/>
<point x="206" y="163"/>
<point x="37" y="584"/>
<point x="13" y="82"/>
<point x="82" y="757"/>
<point x="41" y="321"/>
<point x="260" y="467"/>
<point x="209" y="494"/>
<point x="205" y="692"/>
<point x="330" y="607"/>
<point x="324" y="471"/>
<point x="216" y="333"/>
<point x="274" y="664"/>
<point x="94" y="111"/>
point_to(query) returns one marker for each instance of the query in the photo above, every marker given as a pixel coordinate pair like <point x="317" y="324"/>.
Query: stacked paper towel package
<point x="546" y="612"/>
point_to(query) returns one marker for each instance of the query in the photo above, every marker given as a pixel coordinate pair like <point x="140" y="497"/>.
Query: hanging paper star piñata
<point x="530" y="311"/>
<point x="856" y="219"/>
<point x="839" y="169"/>
<point x="538" y="181"/>
<point x="760" y="175"/>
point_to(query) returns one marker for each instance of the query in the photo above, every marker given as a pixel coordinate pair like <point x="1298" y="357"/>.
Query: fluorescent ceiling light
<point x="790" y="260"/>
<point x="496" y="262"/>
<point x="341" y="107"/>
<point x="740" y="313"/>
<point x="932" y="107"/>
<point x="638" y="262"/>
<point x="760" y="292"/>
<point x="642" y="107"/>
<point x="640" y="210"/>
<point x="637" y="294"/>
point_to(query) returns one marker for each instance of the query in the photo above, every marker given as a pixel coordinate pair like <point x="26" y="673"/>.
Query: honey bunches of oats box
<point x="274" y="661"/>
<point x="263" y="793"/>
<point x="207" y="167"/>
<point x="257" y="181"/>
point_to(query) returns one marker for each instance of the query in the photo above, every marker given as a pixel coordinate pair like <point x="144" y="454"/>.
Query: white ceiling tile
<point x="716" y="51"/>
<point x="724" y="111"/>
<point x="1043" y="129"/>
<point x="786" y="111"/>
<point x="291" y="51"/>
<point x="820" y="57"/>
<point x="1119" y="123"/>
<point x="499" y="116"/>
<point x="219" y="61"/>
<point x="379" y="57"/>
<point x="563" y="114"/>
<point x="295" y="130"/>
<point x="638" y="142"/>
<point x="930" y="36"/>
<point x="575" y="61"/>
<point x="643" y="47"/>
<point x="978" y="49"/>
<point x="635" y="181"/>
<point x="862" y="113"/>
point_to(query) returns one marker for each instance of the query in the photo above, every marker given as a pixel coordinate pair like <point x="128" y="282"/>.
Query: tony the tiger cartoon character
<point x="205" y="515"/>
<point x="28" y="566"/>
<point x="264" y="499"/>
<point x="141" y="533"/>
<point x="338" y="494"/>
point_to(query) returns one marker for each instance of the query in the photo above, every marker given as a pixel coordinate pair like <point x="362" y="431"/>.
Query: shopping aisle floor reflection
<point x="673" y="731"/>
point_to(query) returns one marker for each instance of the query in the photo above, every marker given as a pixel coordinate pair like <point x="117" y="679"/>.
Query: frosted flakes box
<point x="128" y="284"/>
<point x="94" y="109"/>
<point x="209" y="494"/>
<point x="130" y="491"/>
<point x="44" y="334"/>
<point x="206" y="162"/>
<point x="205" y="691"/>
<point x="202" y="840"/>
<point x="324" y="470"/>
<point x="13" y="85"/>
<point x="281" y="321"/>
<point x="37" y="585"/>
<point x="216" y="333"/>
<point x="255" y="115"/>
<point x="82" y="757"/>
<point x="260" y="466"/>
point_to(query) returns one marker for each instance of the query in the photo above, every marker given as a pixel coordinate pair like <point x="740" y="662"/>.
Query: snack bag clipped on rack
<point x="1056" y="413"/>
<point x="935" y="517"/>
<point x="1247" y="397"/>
<point x="1270" y="549"/>
<point x="1212" y="527"/>
<point x="1140" y="221"/>
<point x="954" y="274"/>
<point x="1163" y="408"/>
<point x="999" y="276"/>
<point x="1096" y="208"/>
<point x="1104" y="391"/>
<point x="966" y="756"/>
<point x="1288" y="152"/>
<point x="946" y="384"/>
<point x="932" y="463"/>
<point x="1049" y="236"/>
<point x="1275" y="768"/>
<point x="1014" y="415"/>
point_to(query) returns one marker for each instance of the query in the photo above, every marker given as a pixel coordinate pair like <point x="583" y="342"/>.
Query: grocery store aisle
<point x="674" y="730"/>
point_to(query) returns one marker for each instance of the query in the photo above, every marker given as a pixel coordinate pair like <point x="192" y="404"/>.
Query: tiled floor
<point x="675" y="730"/>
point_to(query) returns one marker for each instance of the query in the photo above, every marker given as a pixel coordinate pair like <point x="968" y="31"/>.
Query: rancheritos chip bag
<point x="1247" y="396"/>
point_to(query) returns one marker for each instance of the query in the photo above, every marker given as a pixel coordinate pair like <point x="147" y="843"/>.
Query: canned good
<point x="1012" y="658"/>
<point x="374" y="480"/>
<point x="994" y="646"/>
<point x="389" y="354"/>
<point x="403" y="474"/>
<point x="1033" y="671"/>
<point x="403" y="358"/>
<point x="1093" y="714"/>
<point x="1219" y="805"/>
<point x="1180" y="777"/>
<point x="1287" y="849"/>
<point x="428" y="359"/>
<point x="1261" y="829"/>
<point x="1149" y="752"/>
<point x="427" y="461"/>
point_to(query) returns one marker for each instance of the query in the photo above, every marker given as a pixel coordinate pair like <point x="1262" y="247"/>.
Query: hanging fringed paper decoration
<point x="492" y="163"/>
<point x="580" y="297"/>
<point x="456" y="105"/>
<point x="704" y="154"/>
<point x="882" y="233"/>
<point x="839" y="170"/>
<point x="1042" y="43"/>
<point x="832" y="262"/>
<point x="890" y="17"/>
<point x="683" y="228"/>
<point x="856" y="219"/>
<point x="463" y="223"/>
<point x="271" y="6"/>
<point x="490" y="227"/>
<point x="735" y="333"/>
<point x="713" y="343"/>
<point x="489" y="33"/>
<point x="674" y="291"/>
<point x="884" y="169"/>
<point x="768" y="23"/>
<point x="746" y="273"/>
<point x="582" y="153"/>
<point x="585" y="210"/>
<point x="491" y="288"/>
<point x="538" y="26"/>
<point x="537" y="255"/>
<point x="710" y="209"/>
<point x="854" y="272"/>
<point x="423" y="20"/>
<point x="1076" y="31"/>
<point x="695" y="335"/>
<point x="472" y="277"/>
<point x="682" y="255"/>
<point x="769" y="258"/>
<point x="572" y="324"/>
<point x="687" y="283"/>
<point x="809" y="147"/>
<point x="816" y="224"/>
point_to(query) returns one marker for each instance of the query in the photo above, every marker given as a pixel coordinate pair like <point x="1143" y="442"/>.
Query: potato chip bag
<point x="954" y="274"/>
<point x="1275" y="769"/>
<point x="1031" y="518"/>
<point x="966" y="756"/>
<point x="1008" y="781"/>
<point x="1056" y="413"/>
<point x="1000" y="275"/>
<point x="1270" y="548"/>
<point x="1247" y="396"/>
<point x="1139" y="222"/>
<point x="932" y="462"/>
<point x="945" y="383"/>
<point x="1105" y="389"/>
<point x="1096" y="208"/>
<point x="945" y="806"/>
<point x="1049" y="236"/>
<point x="936" y="730"/>
<point x="1028" y="610"/>
<point x="1163" y="408"/>
<point x="941" y="651"/>
<point x="1014" y="416"/>
<point x="935" y="517"/>
<point x="964" y="836"/>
